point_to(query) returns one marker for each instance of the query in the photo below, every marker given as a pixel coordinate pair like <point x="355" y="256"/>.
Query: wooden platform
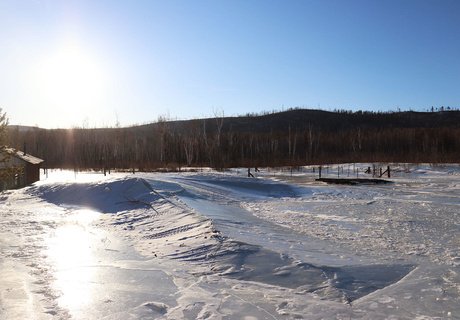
<point x="354" y="181"/>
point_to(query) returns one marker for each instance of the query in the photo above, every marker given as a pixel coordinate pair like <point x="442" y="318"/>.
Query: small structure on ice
<point x="353" y="181"/>
<point x="17" y="168"/>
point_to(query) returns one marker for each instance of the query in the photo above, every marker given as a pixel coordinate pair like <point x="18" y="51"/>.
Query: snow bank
<point x="110" y="196"/>
<point x="156" y="222"/>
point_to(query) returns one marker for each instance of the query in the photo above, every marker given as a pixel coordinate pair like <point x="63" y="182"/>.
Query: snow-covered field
<point x="210" y="245"/>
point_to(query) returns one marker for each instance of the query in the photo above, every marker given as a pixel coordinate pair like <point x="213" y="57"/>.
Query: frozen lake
<point x="223" y="246"/>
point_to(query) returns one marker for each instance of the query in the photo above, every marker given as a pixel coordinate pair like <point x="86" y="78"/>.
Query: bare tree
<point x="219" y="116"/>
<point x="4" y="156"/>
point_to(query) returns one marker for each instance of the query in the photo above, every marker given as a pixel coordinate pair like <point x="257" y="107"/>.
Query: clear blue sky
<point x="89" y="63"/>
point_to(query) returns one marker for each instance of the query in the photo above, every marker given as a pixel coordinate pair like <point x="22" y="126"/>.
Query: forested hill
<point x="293" y="137"/>
<point x="330" y="121"/>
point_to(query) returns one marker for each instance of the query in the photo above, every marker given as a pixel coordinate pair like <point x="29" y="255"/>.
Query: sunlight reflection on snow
<point x="57" y="175"/>
<point x="73" y="259"/>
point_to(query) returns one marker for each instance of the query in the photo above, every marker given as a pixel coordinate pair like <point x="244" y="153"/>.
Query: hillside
<point x="293" y="137"/>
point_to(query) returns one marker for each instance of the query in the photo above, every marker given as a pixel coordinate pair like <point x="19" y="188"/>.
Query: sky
<point x="105" y="63"/>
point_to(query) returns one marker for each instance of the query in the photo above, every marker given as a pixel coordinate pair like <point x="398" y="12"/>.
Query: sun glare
<point x="70" y="79"/>
<point x="71" y="250"/>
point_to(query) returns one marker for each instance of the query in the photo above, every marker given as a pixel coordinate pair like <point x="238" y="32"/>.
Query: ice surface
<point x="223" y="246"/>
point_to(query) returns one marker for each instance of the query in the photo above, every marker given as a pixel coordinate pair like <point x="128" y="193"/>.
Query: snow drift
<point x="160" y="224"/>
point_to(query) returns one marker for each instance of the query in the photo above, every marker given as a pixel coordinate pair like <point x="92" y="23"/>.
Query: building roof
<point x="23" y="156"/>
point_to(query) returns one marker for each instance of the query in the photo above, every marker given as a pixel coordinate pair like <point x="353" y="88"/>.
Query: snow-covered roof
<point x="23" y="156"/>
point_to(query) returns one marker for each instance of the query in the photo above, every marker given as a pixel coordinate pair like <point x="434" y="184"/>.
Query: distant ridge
<point x="301" y="118"/>
<point x="328" y="120"/>
<point x="20" y="128"/>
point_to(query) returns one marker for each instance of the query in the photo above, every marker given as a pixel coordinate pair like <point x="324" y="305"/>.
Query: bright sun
<point x="71" y="80"/>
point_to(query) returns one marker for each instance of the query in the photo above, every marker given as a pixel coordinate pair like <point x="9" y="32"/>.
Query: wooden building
<point x="18" y="169"/>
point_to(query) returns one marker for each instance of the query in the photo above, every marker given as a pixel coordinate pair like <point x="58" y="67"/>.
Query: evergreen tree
<point x="5" y="172"/>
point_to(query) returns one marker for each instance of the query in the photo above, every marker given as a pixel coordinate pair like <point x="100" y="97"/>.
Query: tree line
<point x="291" y="138"/>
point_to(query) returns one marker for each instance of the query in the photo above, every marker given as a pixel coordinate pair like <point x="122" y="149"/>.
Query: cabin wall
<point x="12" y="178"/>
<point x="16" y="173"/>
<point x="32" y="173"/>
